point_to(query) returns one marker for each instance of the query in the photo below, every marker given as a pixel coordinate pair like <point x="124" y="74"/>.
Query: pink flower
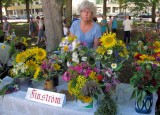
<point x="66" y="76"/>
<point x="86" y="72"/>
<point x="108" y="87"/>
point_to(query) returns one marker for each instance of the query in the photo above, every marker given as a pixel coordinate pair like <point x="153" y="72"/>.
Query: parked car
<point x="146" y="16"/>
<point x="122" y="15"/>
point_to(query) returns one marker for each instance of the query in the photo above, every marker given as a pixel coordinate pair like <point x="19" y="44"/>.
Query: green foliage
<point x="107" y="106"/>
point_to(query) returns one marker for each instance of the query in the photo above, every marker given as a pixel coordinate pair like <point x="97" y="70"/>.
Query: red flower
<point x="137" y="57"/>
<point x="99" y="77"/>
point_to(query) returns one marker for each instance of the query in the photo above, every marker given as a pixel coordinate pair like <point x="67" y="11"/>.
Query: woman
<point x="114" y="24"/>
<point x="32" y="28"/>
<point x="103" y="24"/>
<point x="6" y="26"/>
<point x="86" y="30"/>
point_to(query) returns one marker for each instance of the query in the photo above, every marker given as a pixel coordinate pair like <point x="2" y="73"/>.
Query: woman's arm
<point x="96" y="43"/>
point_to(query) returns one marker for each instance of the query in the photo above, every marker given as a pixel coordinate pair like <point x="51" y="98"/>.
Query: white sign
<point x="46" y="97"/>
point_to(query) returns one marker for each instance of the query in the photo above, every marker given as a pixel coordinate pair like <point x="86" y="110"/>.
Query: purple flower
<point x="158" y="59"/>
<point x="108" y="87"/>
<point x="154" y="66"/>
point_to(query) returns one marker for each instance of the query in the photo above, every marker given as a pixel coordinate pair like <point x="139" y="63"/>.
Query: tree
<point x="104" y="7"/>
<point x="6" y="4"/>
<point x="143" y="3"/>
<point x="52" y="11"/>
<point x="99" y="1"/>
<point x="68" y="10"/>
<point x="1" y="11"/>
<point x="120" y="2"/>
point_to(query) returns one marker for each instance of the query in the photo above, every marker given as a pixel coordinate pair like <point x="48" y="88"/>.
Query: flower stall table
<point x="16" y="103"/>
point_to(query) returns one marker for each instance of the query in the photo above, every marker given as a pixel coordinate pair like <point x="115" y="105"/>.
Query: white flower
<point x="145" y="47"/>
<point x="109" y="52"/>
<point x="68" y="64"/>
<point x="107" y="73"/>
<point x="84" y="58"/>
<point x="139" y="42"/>
<point x="74" y="55"/>
<point x="74" y="44"/>
<point x="114" y="65"/>
<point x="75" y="60"/>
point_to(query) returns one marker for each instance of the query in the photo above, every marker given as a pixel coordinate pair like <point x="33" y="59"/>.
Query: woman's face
<point x="86" y="15"/>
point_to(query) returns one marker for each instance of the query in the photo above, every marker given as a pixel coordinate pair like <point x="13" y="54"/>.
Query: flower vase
<point x="92" y="104"/>
<point x="56" y="81"/>
<point x="144" y="106"/>
<point x="23" y="83"/>
<point x="49" y="85"/>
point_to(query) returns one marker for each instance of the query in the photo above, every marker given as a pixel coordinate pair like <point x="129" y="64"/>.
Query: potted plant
<point x="25" y="64"/>
<point x="146" y="80"/>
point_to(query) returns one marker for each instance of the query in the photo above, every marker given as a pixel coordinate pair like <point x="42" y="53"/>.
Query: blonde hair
<point x="87" y="5"/>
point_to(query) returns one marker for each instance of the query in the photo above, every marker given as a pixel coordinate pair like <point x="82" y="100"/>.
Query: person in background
<point x="86" y="30"/>
<point x="65" y="30"/>
<point x="110" y="24"/>
<point x="32" y="28"/>
<point x="103" y="24"/>
<point x="6" y="26"/>
<point x="158" y="26"/>
<point x="95" y="19"/>
<point x="127" y="29"/>
<point x="114" y="24"/>
<point x="75" y="17"/>
<point x="41" y="31"/>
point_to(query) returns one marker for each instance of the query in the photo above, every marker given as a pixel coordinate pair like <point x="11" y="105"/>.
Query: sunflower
<point x="108" y="40"/>
<point x="21" y="57"/>
<point x="37" y="72"/>
<point x="32" y="65"/>
<point x="40" y="54"/>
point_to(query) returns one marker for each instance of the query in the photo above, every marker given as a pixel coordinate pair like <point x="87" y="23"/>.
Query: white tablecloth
<point x="16" y="104"/>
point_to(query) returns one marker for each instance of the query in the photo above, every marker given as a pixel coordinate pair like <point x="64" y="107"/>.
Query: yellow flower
<point x="93" y="75"/>
<point x="37" y="72"/>
<point x="32" y="65"/>
<point x="65" y="48"/>
<point x="81" y="81"/>
<point x="85" y="99"/>
<point x="120" y="43"/>
<point x="157" y="46"/>
<point x="72" y="89"/>
<point x="21" y="57"/>
<point x="71" y="39"/>
<point x="3" y="46"/>
<point x="100" y="50"/>
<point x="56" y="66"/>
<point x="108" y="40"/>
<point x="40" y="54"/>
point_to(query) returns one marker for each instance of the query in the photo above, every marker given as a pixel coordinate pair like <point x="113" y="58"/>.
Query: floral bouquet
<point x="49" y="68"/>
<point x="111" y="52"/>
<point x="86" y="82"/>
<point x="26" y="62"/>
<point x="75" y="52"/>
<point x="147" y="66"/>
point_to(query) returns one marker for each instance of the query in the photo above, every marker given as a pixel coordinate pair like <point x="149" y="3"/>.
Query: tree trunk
<point x="68" y="11"/>
<point x="153" y="12"/>
<point x="6" y="11"/>
<point x="104" y="7"/>
<point x="27" y="10"/>
<point x="52" y="11"/>
<point x="1" y="11"/>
